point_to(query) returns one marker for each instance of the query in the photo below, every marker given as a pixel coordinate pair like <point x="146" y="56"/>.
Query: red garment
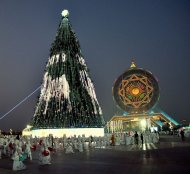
<point x="11" y="146"/>
<point x="40" y="143"/>
<point x="33" y="147"/>
<point x="45" y="153"/>
<point x="50" y="149"/>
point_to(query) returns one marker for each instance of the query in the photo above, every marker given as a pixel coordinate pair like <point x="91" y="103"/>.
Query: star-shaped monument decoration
<point x="136" y="91"/>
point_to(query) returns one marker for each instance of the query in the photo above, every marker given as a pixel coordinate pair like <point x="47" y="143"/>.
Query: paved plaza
<point x="170" y="156"/>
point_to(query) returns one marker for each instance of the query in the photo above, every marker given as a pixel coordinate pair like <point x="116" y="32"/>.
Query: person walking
<point x="182" y="133"/>
<point x="142" y="140"/>
<point x="112" y="140"/>
<point x="136" y="136"/>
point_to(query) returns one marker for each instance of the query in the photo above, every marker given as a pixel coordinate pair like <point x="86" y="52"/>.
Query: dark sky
<point x="111" y="33"/>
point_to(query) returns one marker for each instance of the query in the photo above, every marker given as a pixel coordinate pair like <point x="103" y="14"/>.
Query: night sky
<point x="111" y="33"/>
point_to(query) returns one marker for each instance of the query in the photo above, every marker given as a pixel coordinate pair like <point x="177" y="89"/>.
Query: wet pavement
<point x="170" y="156"/>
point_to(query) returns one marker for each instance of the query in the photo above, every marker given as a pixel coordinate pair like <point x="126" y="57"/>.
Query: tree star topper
<point x="65" y="13"/>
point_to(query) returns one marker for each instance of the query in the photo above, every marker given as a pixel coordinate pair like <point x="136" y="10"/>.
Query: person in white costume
<point x="75" y="144"/>
<point x="90" y="139"/>
<point x="0" y="152"/>
<point x="69" y="147"/>
<point x="1" y="147"/>
<point x="5" y="147"/>
<point x="117" y="140"/>
<point x="17" y="161"/>
<point x="10" y="148"/>
<point x="56" y="145"/>
<point x="44" y="155"/>
<point x="28" y="150"/>
<point x="86" y="146"/>
<point x="64" y="142"/>
<point x="127" y="139"/>
<point x="80" y="146"/>
<point x="155" y="138"/>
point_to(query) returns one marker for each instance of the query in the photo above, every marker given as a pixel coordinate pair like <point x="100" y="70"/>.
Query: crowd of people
<point x="135" y="138"/>
<point x="20" y="148"/>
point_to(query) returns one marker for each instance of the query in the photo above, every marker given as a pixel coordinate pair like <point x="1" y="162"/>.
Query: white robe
<point x="44" y="159"/>
<point x="0" y="153"/>
<point x="80" y="146"/>
<point x="28" y="150"/>
<point x="69" y="148"/>
<point x="17" y="164"/>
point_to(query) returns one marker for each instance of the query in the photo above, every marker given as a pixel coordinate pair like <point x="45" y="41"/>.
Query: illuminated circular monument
<point x="136" y="90"/>
<point x="136" y="93"/>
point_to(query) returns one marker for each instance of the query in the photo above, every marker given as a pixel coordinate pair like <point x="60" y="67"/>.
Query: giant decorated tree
<point x="67" y="98"/>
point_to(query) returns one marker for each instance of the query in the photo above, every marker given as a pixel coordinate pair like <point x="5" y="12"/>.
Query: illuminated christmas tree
<point x="67" y="98"/>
